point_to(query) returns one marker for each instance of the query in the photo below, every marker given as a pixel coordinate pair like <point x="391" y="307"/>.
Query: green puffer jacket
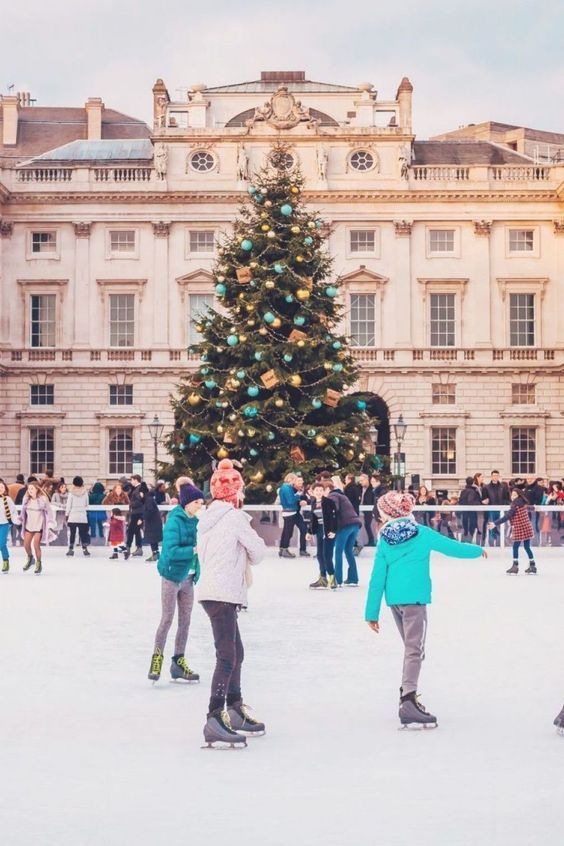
<point x="178" y="558"/>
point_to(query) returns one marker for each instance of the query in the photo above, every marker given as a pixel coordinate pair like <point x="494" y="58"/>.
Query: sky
<point x="469" y="60"/>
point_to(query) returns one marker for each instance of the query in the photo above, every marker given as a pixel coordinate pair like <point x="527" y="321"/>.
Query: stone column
<point x="6" y="230"/>
<point x="81" y="292"/>
<point x="402" y="285"/>
<point x="483" y="291"/>
<point x="161" y="232"/>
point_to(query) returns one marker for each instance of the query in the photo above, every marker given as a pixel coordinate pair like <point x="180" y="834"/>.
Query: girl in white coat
<point x="227" y="545"/>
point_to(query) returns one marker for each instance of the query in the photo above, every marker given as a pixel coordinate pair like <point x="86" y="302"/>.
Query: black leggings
<point x="83" y="533"/>
<point x="229" y="653"/>
<point x="133" y="530"/>
<point x="526" y="547"/>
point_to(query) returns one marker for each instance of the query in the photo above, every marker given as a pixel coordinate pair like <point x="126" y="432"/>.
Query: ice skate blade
<point x="223" y="746"/>
<point x="184" y="681"/>
<point x="251" y="733"/>
<point x="418" y="726"/>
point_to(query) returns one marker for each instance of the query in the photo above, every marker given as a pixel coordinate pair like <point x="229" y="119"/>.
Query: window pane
<point x="42" y="394"/>
<point x="362" y="240"/>
<point x="521" y="240"/>
<point x="523" y="450"/>
<point x="198" y="305"/>
<point x="362" y="320"/>
<point x="120" y="452"/>
<point x="444" y="394"/>
<point x="41" y="450"/>
<point x="121" y="394"/>
<point x="443" y="451"/>
<point x="43" y="242"/>
<point x="441" y="240"/>
<point x="202" y="241"/>
<point x="122" y="241"/>
<point x="122" y="320"/>
<point x="523" y="394"/>
<point x="522" y="320"/>
<point x="442" y="322"/>
<point x="42" y="322"/>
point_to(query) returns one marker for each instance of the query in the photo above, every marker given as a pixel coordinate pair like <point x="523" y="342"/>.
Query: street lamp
<point x="400" y="428"/>
<point x="156" y="430"/>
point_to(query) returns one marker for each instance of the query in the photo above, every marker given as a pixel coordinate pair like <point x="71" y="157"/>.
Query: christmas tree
<point x="271" y="390"/>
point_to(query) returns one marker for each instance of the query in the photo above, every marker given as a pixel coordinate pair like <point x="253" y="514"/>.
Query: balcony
<point x="495" y="177"/>
<point x="369" y="357"/>
<point x="82" y="178"/>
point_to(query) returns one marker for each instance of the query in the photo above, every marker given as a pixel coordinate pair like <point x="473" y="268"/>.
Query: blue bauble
<point x="251" y="189"/>
<point x="250" y="411"/>
<point x="308" y="241"/>
<point x="218" y="404"/>
<point x="299" y="320"/>
<point x="289" y="298"/>
<point x="271" y="436"/>
<point x="232" y="340"/>
<point x="337" y="345"/>
<point x="331" y="291"/>
<point x="204" y="357"/>
<point x="337" y="367"/>
<point x="253" y="391"/>
<point x="279" y="268"/>
<point x="241" y="374"/>
<point x="311" y="433"/>
<point x="286" y="209"/>
<point x="288" y="358"/>
<point x="268" y="317"/>
<point x="318" y="224"/>
<point x="253" y="452"/>
<point x="336" y="441"/>
<point x="204" y="371"/>
<point x="316" y="403"/>
<point x="194" y="439"/>
<point x="210" y="384"/>
<point x="220" y="289"/>
<point x="361" y="405"/>
<point x="258" y="356"/>
<point x="246" y="244"/>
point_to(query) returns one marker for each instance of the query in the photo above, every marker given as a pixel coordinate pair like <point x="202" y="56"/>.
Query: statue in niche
<point x="160" y="111"/>
<point x="322" y="159"/>
<point x="160" y="159"/>
<point x="242" y="164"/>
<point x="404" y="159"/>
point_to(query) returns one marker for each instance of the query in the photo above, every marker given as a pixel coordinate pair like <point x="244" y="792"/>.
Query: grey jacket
<point x="77" y="503"/>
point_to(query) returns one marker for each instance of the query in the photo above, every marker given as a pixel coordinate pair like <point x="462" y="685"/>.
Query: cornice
<point x="38" y="414"/>
<point x="440" y="414"/>
<point x="516" y="414"/>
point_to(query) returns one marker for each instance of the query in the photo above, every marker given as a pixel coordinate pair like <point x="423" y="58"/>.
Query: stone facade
<point x="451" y="253"/>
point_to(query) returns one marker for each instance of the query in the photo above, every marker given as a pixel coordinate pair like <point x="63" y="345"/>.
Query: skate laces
<point x="419" y="705"/>
<point x="157" y="662"/>
<point x="224" y="717"/>
<point x="183" y="665"/>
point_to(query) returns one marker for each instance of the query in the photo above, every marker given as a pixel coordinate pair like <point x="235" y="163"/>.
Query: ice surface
<point x="93" y="755"/>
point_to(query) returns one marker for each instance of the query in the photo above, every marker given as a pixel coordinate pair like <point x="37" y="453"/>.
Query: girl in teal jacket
<point x="401" y="573"/>
<point x="179" y="567"/>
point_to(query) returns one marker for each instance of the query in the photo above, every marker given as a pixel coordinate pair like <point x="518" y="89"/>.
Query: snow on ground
<point x="93" y="755"/>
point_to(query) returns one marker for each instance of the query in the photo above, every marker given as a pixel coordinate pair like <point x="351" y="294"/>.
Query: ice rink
<point x="93" y="755"/>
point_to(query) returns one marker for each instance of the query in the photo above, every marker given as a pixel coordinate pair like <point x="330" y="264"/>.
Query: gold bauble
<point x="257" y="477"/>
<point x="302" y="294"/>
<point x="251" y="432"/>
<point x="250" y="306"/>
<point x="242" y="339"/>
<point x="199" y="328"/>
<point x="263" y="330"/>
<point x="271" y="234"/>
<point x="276" y="323"/>
<point x="240" y="433"/>
<point x="222" y="453"/>
<point x="269" y="284"/>
<point x="299" y="258"/>
<point x="220" y="429"/>
<point x="235" y="383"/>
<point x="265" y="227"/>
<point x="295" y="230"/>
<point x="253" y="264"/>
<point x="310" y="224"/>
<point x="241" y="296"/>
<point x="294" y="189"/>
<point x="251" y="322"/>
<point x="194" y="399"/>
<point x="295" y="380"/>
<point x="268" y="204"/>
<point x="327" y="365"/>
<point x="321" y="441"/>
<point x="279" y="403"/>
<point x="301" y="344"/>
<point x="350" y="454"/>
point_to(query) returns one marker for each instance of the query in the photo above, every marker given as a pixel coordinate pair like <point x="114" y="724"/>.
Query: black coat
<point x="368" y="498"/>
<point x="152" y="522"/>
<point x="137" y="501"/>
<point x="498" y="493"/>
<point x="470" y="496"/>
<point x="338" y="512"/>
<point x="534" y="493"/>
<point x="352" y="493"/>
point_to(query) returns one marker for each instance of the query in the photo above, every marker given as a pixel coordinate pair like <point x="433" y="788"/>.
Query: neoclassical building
<point x="451" y="252"/>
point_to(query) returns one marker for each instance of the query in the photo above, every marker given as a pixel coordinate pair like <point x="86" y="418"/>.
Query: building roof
<point x="259" y="86"/>
<point x="96" y="151"/>
<point x="492" y="126"/>
<point x="42" y="128"/>
<point x="465" y="153"/>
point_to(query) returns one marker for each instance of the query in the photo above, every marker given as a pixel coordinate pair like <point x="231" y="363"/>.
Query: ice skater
<point x="77" y="516"/>
<point x="325" y="545"/>
<point x="401" y="572"/>
<point x="521" y="531"/>
<point x="116" y="533"/>
<point x="8" y="518"/>
<point x="227" y="545"/>
<point x="559" y="722"/>
<point x="38" y="525"/>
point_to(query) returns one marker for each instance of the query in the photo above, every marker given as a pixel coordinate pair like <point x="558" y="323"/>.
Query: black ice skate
<point x="156" y="666"/>
<point x="559" y="722"/>
<point x="70" y="552"/>
<point x="242" y="721"/>
<point x="332" y="582"/>
<point x="86" y="551"/>
<point x="513" y="570"/>
<point x="5" y="566"/>
<point x="218" y="733"/>
<point x="413" y="715"/>
<point x="181" y="672"/>
<point x="113" y="556"/>
<point x="320" y="583"/>
<point x="285" y="553"/>
<point x="138" y="552"/>
<point x="531" y="569"/>
<point x="29" y="563"/>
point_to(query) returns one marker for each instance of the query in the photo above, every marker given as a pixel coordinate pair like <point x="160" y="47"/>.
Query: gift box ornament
<point x="269" y="379"/>
<point x="244" y="275"/>
<point x="332" y="398"/>
<point x="297" y="454"/>
<point x="308" y="282"/>
<point x="228" y="437"/>
<point x="297" y="335"/>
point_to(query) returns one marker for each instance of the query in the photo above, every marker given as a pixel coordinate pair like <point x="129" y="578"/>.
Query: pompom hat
<point x="189" y="493"/>
<point x="396" y="504"/>
<point x="227" y="483"/>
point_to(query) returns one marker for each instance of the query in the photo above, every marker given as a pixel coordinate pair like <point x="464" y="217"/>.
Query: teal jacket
<point x="401" y="566"/>
<point x="178" y="556"/>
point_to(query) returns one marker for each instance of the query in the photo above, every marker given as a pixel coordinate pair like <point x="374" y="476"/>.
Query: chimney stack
<point x="403" y="97"/>
<point x="9" y="119"/>
<point x="94" y="107"/>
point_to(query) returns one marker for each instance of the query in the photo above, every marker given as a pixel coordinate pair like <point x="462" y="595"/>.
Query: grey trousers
<point x="411" y="621"/>
<point x="173" y="594"/>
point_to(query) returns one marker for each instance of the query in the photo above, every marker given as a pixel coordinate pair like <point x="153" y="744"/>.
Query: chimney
<point x="9" y="119"/>
<point x="94" y="108"/>
<point x="403" y="97"/>
<point x="282" y="76"/>
<point x="161" y="100"/>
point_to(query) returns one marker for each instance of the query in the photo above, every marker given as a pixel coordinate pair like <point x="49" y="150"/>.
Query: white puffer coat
<point x="226" y="545"/>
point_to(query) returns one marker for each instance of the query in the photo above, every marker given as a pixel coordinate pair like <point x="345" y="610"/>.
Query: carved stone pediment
<point x="282" y="111"/>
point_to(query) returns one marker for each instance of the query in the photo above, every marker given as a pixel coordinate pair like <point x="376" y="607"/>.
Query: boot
<point x="412" y="714"/>
<point x="332" y="582"/>
<point x="126" y="553"/>
<point x="242" y="721"/>
<point x="85" y="551"/>
<point x="180" y="671"/>
<point x="152" y="558"/>
<point x="532" y="568"/>
<point x="138" y="552"/>
<point x="70" y="552"/>
<point x="304" y="553"/>
<point x="38" y="567"/>
<point x="285" y="553"/>
<point x="5" y="566"/>
<point x="29" y="563"/>
<point x="559" y="722"/>
<point x="113" y="556"/>
<point x="514" y="569"/>
<point x="320" y="583"/>
<point x="156" y="665"/>
<point x="218" y="730"/>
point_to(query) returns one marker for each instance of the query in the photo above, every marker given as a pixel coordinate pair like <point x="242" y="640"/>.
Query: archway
<point x="378" y="441"/>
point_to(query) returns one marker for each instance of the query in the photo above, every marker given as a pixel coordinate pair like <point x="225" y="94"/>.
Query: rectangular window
<point x="43" y="242"/>
<point x="41" y="450"/>
<point x="443" y="451"/>
<point x="521" y="240"/>
<point x="122" y="320"/>
<point x="198" y="307"/>
<point x="522" y="320"/>
<point x="443" y="326"/>
<point x="523" y="450"/>
<point x="202" y="240"/>
<point x="362" y="241"/>
<point x="444" y="394"/>
<point x="120" y="456"/>
<point x="42" y="395"/>
<point x="363" y="320"/>
<point x="42" y="320"/>
<point x="441" y="240"/>
<point x="121" y="394"/>
<point x="523" y="394"/>
<point x="122" y="241"/>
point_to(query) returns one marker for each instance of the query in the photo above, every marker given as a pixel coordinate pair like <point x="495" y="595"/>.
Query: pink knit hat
<point x="396" y="504"/>
<point x="227" y="483"/>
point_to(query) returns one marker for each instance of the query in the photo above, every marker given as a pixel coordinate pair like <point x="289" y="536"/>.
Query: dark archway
<point x="378" y="410"/>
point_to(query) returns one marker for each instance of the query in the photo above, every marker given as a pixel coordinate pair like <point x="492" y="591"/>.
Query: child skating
<point x="116" y="534"/>
<point x="521" y="531"/>
<point x="401" y="572"/>
<point x="179" y="567"/>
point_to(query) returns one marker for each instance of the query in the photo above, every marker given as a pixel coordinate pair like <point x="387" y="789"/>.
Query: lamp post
<point x="156" y="430"/>
<point x="400" y="428"/>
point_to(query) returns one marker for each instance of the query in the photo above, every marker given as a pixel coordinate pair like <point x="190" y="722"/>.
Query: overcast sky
<point x="469" y="60"/>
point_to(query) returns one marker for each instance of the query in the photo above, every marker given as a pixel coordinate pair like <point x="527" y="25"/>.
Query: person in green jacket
<point x="180" y="569"/>
<point x="401" y="573"/>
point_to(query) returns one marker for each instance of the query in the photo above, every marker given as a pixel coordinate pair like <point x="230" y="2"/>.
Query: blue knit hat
<point x="188" y="493"/>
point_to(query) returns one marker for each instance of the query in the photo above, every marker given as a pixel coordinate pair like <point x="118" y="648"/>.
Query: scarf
<point x="7" y="509"/>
